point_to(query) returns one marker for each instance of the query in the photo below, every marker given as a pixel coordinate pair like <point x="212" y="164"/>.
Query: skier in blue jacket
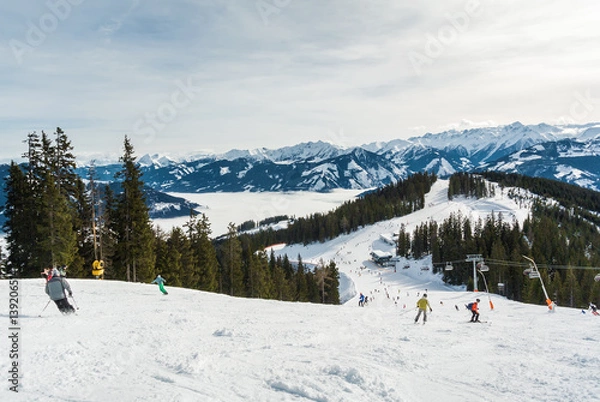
<point x="161" y="284"/>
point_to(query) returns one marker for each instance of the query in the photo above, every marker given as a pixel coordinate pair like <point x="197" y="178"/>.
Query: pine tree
<point x="301" y="285"/>
<point x="204" y="253"/>
<point x="45" y="214"/>
<point x="180" y="269"/>
<point x="161" y="252"/>
<point x="57" y="243"/>
<point x="20" y="218"/>
<point x="82" y="225"/>
<point x="106" y="231"/>
<point x="231" y="262"/>
<point x="71" y="187"/>
<point x="327" y="281"/>
<point x="260" y="276"/>
<point x="134" y="257"/>
<point x="333" y="292"/>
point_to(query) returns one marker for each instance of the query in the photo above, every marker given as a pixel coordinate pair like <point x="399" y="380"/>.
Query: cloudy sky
<point x="191" y="76"/>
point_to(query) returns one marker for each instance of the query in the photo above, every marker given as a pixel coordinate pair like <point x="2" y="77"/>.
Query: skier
<point x="475" y="311"/>
<point x="423" y="305"/>
<point x="56" y="286"/>
<point x="361" y="300"/>
<point x="594" y="309"/>
<point x="161" y="284"/>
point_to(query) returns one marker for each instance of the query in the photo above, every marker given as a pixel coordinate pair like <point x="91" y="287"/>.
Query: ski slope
<point x="128" y="342"/>
<point x="131" y="343"/>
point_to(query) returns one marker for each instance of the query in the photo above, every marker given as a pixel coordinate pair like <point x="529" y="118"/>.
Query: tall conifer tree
<point x="134" y="257"/>
<point x="231" y="261"/>
<point x="19" y="221"/>
<point x="204" y="252"/>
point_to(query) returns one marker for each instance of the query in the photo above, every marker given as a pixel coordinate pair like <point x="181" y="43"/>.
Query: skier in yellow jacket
<point x="423" y="305"/>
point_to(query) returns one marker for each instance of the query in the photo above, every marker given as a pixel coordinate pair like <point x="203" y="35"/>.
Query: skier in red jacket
<point x="475" y="311"/>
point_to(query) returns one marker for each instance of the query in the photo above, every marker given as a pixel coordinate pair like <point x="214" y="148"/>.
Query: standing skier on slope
<point x="475" y="311"/>
<point x="423" y="305"/>
<point x="161" y="284"/>
<point x="56" y="286"/>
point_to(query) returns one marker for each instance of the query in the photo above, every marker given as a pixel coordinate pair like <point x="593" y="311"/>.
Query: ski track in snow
<point x="128" y="342"/>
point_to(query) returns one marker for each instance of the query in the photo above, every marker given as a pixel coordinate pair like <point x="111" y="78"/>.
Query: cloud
<point x="313" y="68"/>
<point x="466" y="124"/>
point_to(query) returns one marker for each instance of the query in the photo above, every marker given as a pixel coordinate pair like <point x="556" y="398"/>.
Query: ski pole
<point x="74" y="302"/>
<point x="44" y="308"/>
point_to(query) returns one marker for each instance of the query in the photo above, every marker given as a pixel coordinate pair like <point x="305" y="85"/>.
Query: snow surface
<point x="128" y="342"/>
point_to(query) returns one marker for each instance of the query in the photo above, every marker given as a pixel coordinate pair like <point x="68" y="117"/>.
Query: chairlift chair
<point x="532" y="273"/>
<point x="448" y="267"/>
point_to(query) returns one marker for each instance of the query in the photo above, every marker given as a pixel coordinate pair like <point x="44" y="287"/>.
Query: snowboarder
<point x="594" y="309"/>
<point x="161" y="284"/>
<point x="423" y="305"/>
<point x="475" y="311"/>
<point x="56" y="286"/>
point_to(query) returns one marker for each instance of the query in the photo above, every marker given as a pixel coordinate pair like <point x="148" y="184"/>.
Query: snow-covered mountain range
<point x="568" y="153"/>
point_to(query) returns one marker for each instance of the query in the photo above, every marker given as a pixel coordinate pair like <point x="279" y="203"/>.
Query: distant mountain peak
<point x="322" y="166"/>
<point x="155" y="160"/>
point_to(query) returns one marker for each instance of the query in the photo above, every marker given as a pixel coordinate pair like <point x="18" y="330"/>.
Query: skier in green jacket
<point x="423" y="305"/>
<point x="161" y="284"/>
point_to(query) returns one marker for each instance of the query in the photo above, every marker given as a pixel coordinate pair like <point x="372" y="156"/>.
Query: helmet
<point x="424" y="294"/>
<point x="477" y="300"/>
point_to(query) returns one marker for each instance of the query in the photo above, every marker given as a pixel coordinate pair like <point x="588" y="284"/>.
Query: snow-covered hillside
<point x="128" y="342"/>
<point x="353" y="248"/>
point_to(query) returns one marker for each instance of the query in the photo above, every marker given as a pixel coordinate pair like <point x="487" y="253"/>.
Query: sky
<point x="128" y="342"/>
<point x="207" y="76"/>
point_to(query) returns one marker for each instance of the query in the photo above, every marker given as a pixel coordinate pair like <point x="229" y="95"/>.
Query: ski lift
<point x="501" y="288"/>
<point x="482" y="267"/>
<point x="448" y="267"/>
<point x="531" y="273"/>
